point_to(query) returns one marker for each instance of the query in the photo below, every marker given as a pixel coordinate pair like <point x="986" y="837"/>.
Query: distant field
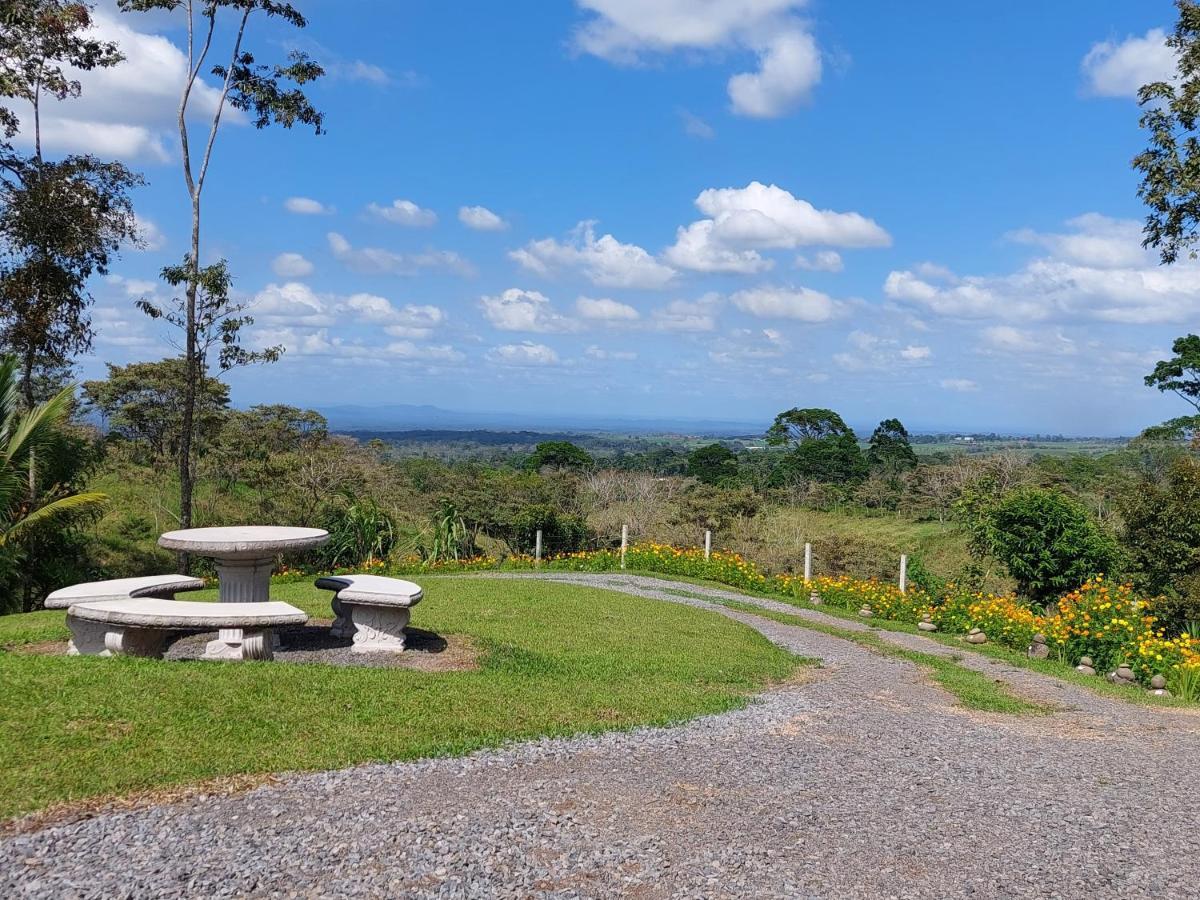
<point x="1086" y="446"/>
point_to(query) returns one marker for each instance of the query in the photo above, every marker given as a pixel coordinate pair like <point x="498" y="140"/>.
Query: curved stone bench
<point x="371" y="610"/>
<point x="164" y="587"/>
<point x="139" y="626"/>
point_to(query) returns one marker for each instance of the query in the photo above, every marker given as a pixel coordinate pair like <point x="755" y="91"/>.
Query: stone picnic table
<point x="244" y="557"/>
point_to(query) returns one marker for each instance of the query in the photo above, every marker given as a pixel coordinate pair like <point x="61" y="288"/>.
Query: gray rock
<point x="866" y="612"/>
<point x="1085" y="670"/>
<point x="1158" y="682"/>
<point x="815" y="599"/>
<point x="1086" y="661"/>
<point x="976" y="637"/>
<point x="1039" y="649"/>
<point x="926" y="625"/>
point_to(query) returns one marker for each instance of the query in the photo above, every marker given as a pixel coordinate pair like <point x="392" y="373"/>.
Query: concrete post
<point x="807" y="563"/>
<point x="537" y="548"/>
<point x="707" y="544"/>
<point x="624" y="543"/>
<point x="903" y="573"/>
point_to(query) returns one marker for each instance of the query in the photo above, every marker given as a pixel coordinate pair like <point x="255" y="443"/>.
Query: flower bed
<point x="1104" y="621"/>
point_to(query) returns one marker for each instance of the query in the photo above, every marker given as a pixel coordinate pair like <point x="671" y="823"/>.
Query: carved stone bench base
<point x="241" y="645"/>
<point x="373" y="629"/>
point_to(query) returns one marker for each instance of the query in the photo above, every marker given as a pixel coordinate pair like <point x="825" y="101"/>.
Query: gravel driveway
<point x="866" y="782"/>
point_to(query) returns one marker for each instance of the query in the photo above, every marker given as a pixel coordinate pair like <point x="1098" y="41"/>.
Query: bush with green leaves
<point x="359" y="531"/>
<point x="1048" y="541"/>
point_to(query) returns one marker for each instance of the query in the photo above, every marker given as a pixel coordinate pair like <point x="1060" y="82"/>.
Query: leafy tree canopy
<point x="890" y="449"/>
<point x="824" y="448"/>
<point x="1181" y="373"/>
<point x="1048" y="542"/>
<point x="559" y="455"/>
<point x="713" y="464"/>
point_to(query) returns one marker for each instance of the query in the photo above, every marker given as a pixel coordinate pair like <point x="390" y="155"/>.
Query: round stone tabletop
<point x="243" y="541"/>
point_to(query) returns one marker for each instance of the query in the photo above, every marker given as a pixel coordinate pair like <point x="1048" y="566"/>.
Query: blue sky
<point x="715" y="209"/>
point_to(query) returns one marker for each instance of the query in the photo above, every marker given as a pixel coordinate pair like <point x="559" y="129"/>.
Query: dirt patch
<point x="425" y="651"/>
<point x="77" y="811"/>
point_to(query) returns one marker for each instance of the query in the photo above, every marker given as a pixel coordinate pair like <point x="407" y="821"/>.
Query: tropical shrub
<point x="1103" y="621"/>
<point x="359" y="531"/>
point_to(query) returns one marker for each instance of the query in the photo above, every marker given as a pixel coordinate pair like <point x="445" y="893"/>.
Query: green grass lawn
<point x="557" y="660"/>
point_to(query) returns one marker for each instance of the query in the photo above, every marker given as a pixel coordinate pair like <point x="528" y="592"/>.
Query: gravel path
<point x="865" y="782"/>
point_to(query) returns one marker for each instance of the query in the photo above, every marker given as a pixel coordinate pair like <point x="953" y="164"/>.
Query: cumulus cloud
<point x="605" y="310"/>
<point x="696" y="127"/>
<point x="1006" y="339"/>
<point x="431" y="353"/>
<point x="403" y="212"/>
<point x="605" y="261"/>
<point x="629" y="32"/>
<point x="292" y="265"/>
<point x="960" y="385"/>
<point x="787" y="303"/>
<point x="127" y="111"/>
<point x="1119" y="69"/>
<point x="292" y="303"/>
<point x="150" y="236"/>
<point x="821" y="261"/>
<point x="595" y="352"/>
<point x="688" y="315"/>
<point x="1096" y="270"/>
<point x="378" y="261"/>
<point x="518" y="310"/>
<point x="409" y="321"/>
<point x="871" y="352"/>
<point x="480" y="218"/>
<point x="748" y="345"/>
<point x="523" y="355"/>
<point x="306" y="206"/>
<point x="742" y="221"/>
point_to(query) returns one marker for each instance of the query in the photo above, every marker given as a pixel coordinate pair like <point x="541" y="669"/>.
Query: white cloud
<point x="742" y="221"/>
<point x="746" y="345"/>
<point x="1113" y="69"/>
<point x="595" y="352"/>
<point x="518" y="310"/>
<point x="150" y="236"/>
<point x="292" y="265"/>
<point x="605" y="260"/>
<point x="480" y="218"/>
<point x="787" y="303"/>
<point x="689" y="316"/>
<point x="1095" y="271"/>
<point x="870" y="352"/>
<point x="821" y="261"/>
<point x="1007" y="339"/>
<point x="378" y="261"/>
<point x="127" y="111"/>
<point x="694" y="249"/>
<point x="434" y="353"/>
<point x="630" y="31"/>
<point x="306" y="206"/>
<point x="960" y="385"/>
<point x="360" y="70"/>
<point x="410" y="321"/>
<point x="789" y="68"/>
<point x="403" y="212"/>
<point x="696" y="127"/>
<point x="605" y="310"/>
<point x="1096" y="241"/>
<point x="524" y="354"/>
<point x="291" y="303"/>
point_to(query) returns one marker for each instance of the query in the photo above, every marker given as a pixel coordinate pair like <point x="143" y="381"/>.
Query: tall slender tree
<point x="264" y="93"/>
<point x="60" y="221"/>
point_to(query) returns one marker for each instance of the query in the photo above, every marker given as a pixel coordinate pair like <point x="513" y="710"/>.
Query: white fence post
<point x="707" y="544"/>
<point x="537" y="548"/>
<point x="903" y="573"/>
<point x="624" y="543"/>
<point x="807" y="563"/>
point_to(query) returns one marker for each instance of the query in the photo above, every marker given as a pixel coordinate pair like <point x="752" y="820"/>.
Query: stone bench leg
<point x="342" y="627"/>
<point x="87" y="638"/>
<point x="241" y="644"/>
<point x="377" y="629"/>
<point x="126" y="641"/>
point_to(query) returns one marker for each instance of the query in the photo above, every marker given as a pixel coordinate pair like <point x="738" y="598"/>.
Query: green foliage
<point x="713" y="464"/>
<point x="1170" y="165"/>
<point x="1048" y="542"/>
<point x="1162" y="535"/>
<point x="32" y="521"/>
<point x="143" y="403"/>
<point x="716" y="508"/>
<point x="447" y="539"/>
<point x="823" y="447"/>
<point x="890" y="449"/>
<point x="559" y="455"/>
<point x="359" y="531"/>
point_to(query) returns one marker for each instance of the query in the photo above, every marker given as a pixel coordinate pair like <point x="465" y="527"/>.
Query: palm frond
<point x="36" y="427"/>
<point x="60" y="511"/>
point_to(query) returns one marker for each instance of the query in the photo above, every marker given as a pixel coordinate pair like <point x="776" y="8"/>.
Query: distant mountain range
<point x="401" y="417"/>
